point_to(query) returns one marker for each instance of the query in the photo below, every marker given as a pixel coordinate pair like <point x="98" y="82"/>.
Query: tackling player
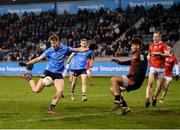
<point x="133" y="80"/>
<point x="78" y="67"/>
<point x="169" y="63"/>
<point x="56" y="56"/>
<point x="157" y="53"/>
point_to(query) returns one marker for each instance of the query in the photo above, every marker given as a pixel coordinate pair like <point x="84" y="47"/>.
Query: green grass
<point x="21" y="108"/>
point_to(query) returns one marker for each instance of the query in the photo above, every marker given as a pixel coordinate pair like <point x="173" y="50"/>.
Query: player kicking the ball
<point x="56" y="56"/>
<point x="133" y="80"/>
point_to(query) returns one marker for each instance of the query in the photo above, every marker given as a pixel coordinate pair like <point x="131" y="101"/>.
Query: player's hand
<point x="22" y="64"/>
<point x="115" y="60"/>
<point x="64" y="73"/>
<point x="67" y="66"/>
<point x="176" y="77"/>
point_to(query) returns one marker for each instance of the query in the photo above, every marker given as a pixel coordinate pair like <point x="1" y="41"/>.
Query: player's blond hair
<point x="157" y="32"/>
<point x="84" y="40"/>
<point x="53" y="36"/>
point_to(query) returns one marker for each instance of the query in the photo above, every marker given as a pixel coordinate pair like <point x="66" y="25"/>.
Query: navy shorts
<point x="52" y="75"/>
<point x="76" y="73"/>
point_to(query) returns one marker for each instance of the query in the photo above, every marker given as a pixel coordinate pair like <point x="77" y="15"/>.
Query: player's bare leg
<point x="149" y="87"/>
<point x="37" y="88"/>
<point x="115" y="85"/>
<point x="73" y="85"/>
<point x="70" y="77"/>
<point x="112" y="90"/>
<point x="119" y="101"/>
<point x="59" y="85"/>
<point x="84" y="87"/>
<point x="157" y="90"/>
<point x="165" y="89"/>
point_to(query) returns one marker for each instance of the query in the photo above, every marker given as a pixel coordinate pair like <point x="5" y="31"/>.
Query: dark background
<point x="11" y="2"/>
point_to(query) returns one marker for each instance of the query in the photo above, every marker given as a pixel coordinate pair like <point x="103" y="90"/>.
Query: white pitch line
<point x="59" y="117"/>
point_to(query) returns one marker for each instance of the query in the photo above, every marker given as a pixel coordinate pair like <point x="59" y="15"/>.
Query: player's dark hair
<point x="136" y="41"/>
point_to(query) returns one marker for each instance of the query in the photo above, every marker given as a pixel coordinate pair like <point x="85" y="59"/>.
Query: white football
<point x="47" y="81"/>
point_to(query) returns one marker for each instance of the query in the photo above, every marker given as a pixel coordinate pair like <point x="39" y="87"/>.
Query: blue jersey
<point x="79" y="60"/>
<point x="56" y="58"/>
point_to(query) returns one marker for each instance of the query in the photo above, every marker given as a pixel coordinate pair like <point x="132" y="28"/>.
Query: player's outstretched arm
<point x="128" y="62"/>
<point x="22" y="64"/>
<point x="67" y="65"/>
<point x="35" y="60"/>
<point x="80" y="49"/>
<point x="70" y="58"/>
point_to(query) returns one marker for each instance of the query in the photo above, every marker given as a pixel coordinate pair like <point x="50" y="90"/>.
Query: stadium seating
<point x="25" y="37"/>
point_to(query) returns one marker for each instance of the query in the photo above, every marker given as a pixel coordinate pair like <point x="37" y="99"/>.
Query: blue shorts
<point x="76" y="73"/>
<point x="52" y="75"/>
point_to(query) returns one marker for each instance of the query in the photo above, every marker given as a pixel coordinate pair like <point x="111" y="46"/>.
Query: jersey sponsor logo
<point x="154" y="47"/>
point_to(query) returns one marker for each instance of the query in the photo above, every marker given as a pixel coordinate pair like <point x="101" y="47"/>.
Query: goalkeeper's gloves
<point x="176" y="77"/>
<point x="22" y="64"/>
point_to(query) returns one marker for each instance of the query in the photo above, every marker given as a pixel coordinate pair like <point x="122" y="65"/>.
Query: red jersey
<point x="157" y="61"/>
<point x="169" y="63"/>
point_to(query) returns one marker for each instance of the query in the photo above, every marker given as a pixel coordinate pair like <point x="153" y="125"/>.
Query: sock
<point x="124" y="104"/>
<point x="121" y="98"/>
<point x="52" y="106"/>
<point x="153" y="98"/>
<point x="84" y="94"/>
<point x="117" y="99"/>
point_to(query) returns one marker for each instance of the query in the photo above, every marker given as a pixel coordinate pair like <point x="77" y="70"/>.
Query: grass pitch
<point x="21" y="108"/>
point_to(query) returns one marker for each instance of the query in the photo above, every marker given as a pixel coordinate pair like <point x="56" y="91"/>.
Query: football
<point x="47" y="81"/>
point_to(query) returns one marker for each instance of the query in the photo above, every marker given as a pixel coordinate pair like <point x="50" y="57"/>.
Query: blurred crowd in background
<point x="25" y="37"/>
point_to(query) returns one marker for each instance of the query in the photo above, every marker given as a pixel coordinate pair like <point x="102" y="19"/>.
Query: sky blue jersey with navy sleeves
<point x="56" y="58"/>
<point x="79" y="60"/>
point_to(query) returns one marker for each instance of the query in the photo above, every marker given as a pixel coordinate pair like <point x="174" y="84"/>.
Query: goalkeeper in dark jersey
<point x="133" y="80"/>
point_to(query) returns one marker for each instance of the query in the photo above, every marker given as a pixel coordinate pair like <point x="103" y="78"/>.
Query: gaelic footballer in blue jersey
<point x="78" y="67"/>
<point x="56" y="56"/>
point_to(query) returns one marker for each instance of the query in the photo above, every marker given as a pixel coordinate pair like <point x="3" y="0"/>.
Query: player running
<point x="56" y="56"/>
<point x="88" y="68"/>
<point x="157" y="53"/>
<point x="133" y="80"/>
<point x="78" y="67"/>
<point x="169" y="63"/>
